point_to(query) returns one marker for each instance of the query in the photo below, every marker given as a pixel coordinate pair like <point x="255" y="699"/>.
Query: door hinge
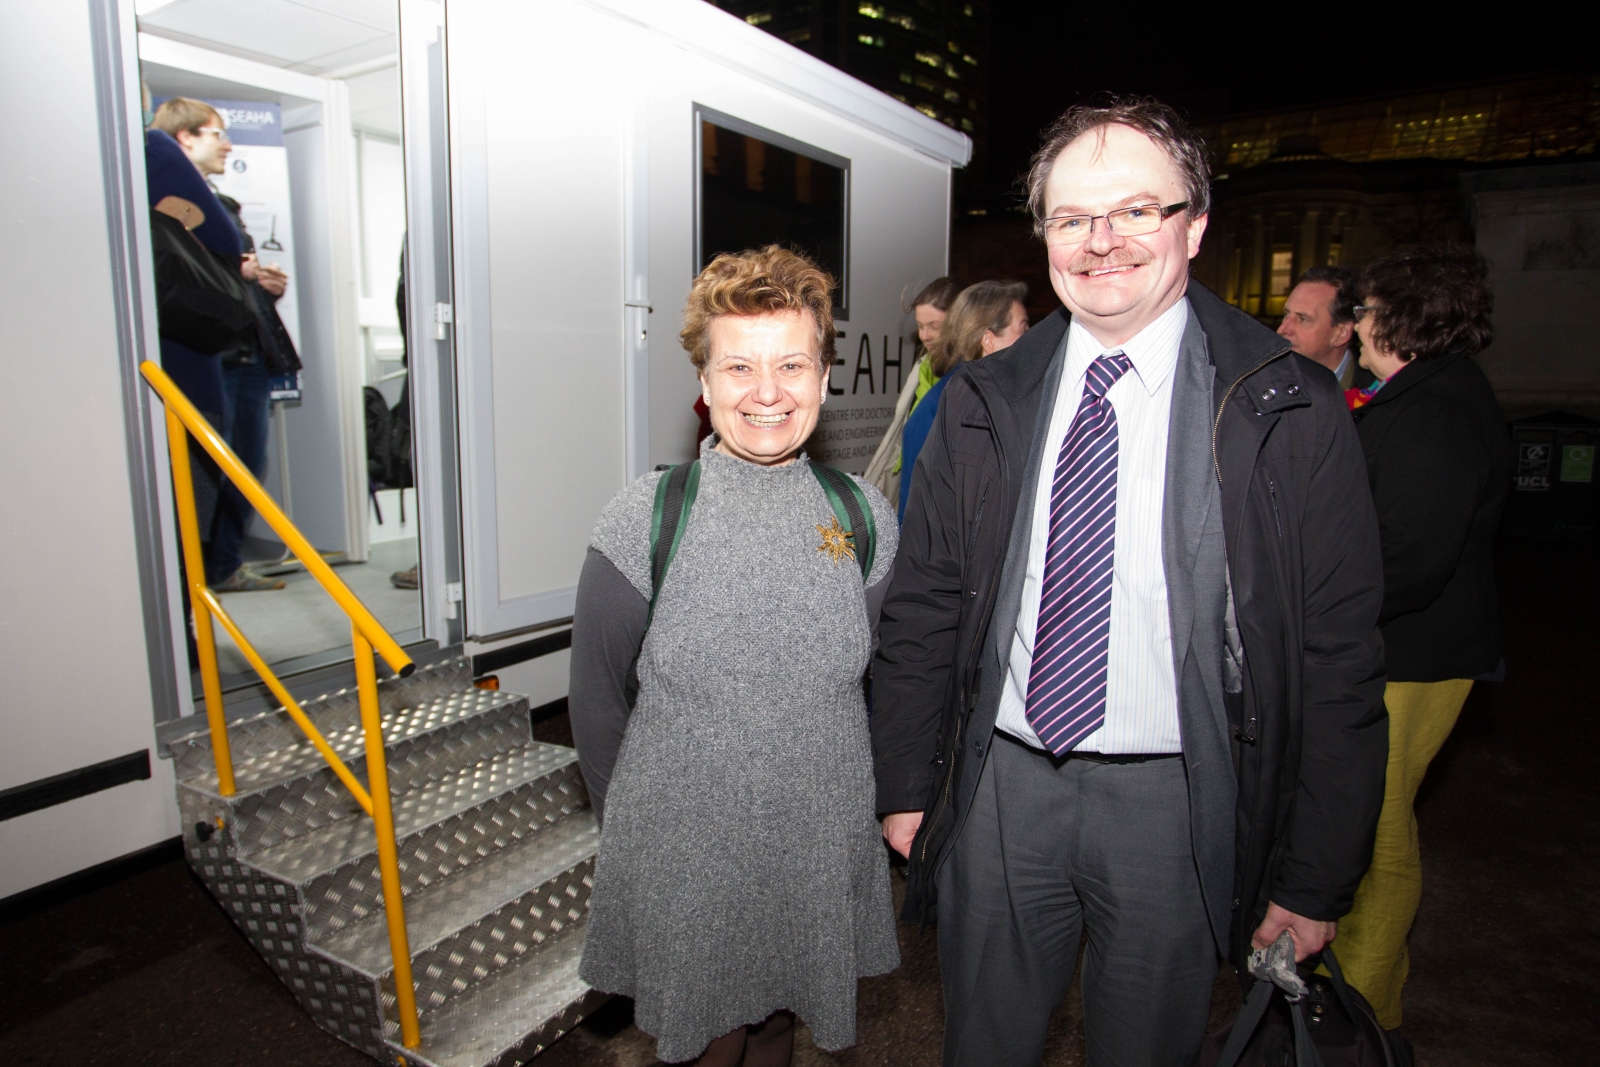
<point x="452" y="597"/>
<point x="443" y="315"/>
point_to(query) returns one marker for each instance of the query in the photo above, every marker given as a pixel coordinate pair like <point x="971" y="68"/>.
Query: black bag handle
<point x="1255" y="1009"/>
<point x="1244" y="1027"/>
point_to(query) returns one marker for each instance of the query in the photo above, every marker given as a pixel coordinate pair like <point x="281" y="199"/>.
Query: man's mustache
<point x="1084" y="262"/>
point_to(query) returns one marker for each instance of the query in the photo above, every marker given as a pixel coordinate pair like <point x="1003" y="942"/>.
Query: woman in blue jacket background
<point x="984" y="319"/>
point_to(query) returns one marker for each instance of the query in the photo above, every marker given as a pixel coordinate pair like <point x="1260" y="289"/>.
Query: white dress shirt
<point x="1344" y="368"/>
<point x="1141" y="688"/>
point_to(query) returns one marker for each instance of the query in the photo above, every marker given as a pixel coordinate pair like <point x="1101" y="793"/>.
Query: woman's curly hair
<point x="757" y="281"/>
<point x="1430" y="300"/>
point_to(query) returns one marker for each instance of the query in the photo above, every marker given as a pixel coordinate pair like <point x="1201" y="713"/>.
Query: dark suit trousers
<point x="1051" y="849"/>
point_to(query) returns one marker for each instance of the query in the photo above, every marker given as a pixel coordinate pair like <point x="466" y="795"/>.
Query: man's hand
<point x="273" y="279"/>
<point x="1310" y="935"/>
<point x="900" y="829"/>
<point x="249" y="266"/>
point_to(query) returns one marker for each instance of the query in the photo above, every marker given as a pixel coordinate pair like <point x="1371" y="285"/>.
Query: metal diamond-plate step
<point x="263" y="734"/>
<point x="431" y="743"/>
<point x="441" y="828"/>
<point x="485" y="918"/>
<point x="514" y="1015"/>
<point x="276" y="766"/>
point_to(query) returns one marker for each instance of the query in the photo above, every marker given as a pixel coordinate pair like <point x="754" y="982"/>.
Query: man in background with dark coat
<point x="1129" y="676"/>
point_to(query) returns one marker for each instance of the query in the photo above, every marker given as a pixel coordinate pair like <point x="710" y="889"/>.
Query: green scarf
<point x="926" y="380"/>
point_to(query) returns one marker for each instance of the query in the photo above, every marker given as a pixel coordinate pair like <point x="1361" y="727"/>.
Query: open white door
<point x="540" y="153"/>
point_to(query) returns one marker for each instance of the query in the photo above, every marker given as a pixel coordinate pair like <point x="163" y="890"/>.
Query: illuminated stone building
<point x="931" y="54"/>
<point x="1341" y="183"/>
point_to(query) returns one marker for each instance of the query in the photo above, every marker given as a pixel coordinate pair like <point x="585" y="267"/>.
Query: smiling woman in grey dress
<point x="724" y="738"/>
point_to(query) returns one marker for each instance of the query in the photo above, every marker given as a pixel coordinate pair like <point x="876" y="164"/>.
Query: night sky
<point x="1046" y="56"/>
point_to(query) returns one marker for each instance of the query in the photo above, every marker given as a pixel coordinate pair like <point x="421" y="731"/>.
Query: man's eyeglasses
<point x="1124" y="222"/>
<point x="1361" y="311"/>
<point x="222" y="134"/>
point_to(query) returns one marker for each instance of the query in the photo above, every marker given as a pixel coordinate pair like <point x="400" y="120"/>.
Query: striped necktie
<point x="1067" y="682"/>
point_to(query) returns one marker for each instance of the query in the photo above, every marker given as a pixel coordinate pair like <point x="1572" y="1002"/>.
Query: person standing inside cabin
<point x="201" y="132"/>
<point x="723" y="626"/>
<point x="986" y="318"/>
<point x="1129" y="678"/>
<point x="929" y="308"/>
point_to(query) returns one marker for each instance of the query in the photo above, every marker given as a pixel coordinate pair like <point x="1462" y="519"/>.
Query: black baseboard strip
<point x="32" y="901"/>
<point x="489" y="662"/>
<point x="549" y="711"/>
<point x="60" y="788"/>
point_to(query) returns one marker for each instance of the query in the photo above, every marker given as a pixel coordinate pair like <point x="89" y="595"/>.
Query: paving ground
<point x="147" y="970"/>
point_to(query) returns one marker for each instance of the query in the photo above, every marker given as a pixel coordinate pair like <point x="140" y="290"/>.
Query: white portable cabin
<point x="554" y="157"/>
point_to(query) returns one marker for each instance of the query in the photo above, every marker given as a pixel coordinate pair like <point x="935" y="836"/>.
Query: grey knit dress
<point x="741" y="869"/>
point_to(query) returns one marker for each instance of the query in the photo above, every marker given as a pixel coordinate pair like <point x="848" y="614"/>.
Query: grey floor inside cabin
<point x="301" y="620"/>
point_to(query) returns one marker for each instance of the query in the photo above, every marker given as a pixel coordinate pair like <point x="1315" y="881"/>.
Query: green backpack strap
<point x="669" y="517"/>
<point x="854" y="512"/>
<point x="675" y="495"/>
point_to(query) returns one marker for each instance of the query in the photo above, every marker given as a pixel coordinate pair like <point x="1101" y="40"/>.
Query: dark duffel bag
<point x="1328" y="1025"/>
<point x="201" y="301"/>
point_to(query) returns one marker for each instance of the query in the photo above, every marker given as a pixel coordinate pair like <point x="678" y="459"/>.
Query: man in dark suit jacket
<point x="1319" y="321"/>
<point x="1129" y="677"/>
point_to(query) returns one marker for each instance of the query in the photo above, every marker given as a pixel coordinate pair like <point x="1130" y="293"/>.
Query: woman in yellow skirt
<point x="1439" y="463"/>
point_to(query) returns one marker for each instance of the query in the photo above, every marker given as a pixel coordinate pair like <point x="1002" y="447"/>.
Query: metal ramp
<point x="496" y="845"/>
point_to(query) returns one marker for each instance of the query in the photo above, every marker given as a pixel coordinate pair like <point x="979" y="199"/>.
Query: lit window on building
<point x="905" y="22"/>
<point x="952" y="97"/>
<point x="1282" y="274"/>
<point x="955" y="48"/>
<point x="907" y="77"/>
<point x="926" y="84"/>
<point x="1335" y="249"/>
<point x="966" y="124"/>
<point x="930" y="58"/>
<point x="967" y="10"/>
<point x="867" y="38"/>
<point x="951" y="72"/>
<point x="759" y="18"/>
<point x="872" y="11"/>
<point x="928" y="111"/>
<point x="968" y="60"/>
<point x="798" y="37"/>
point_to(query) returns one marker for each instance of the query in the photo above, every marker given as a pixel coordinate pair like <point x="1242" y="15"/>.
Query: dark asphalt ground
<point x="146" y="969"/>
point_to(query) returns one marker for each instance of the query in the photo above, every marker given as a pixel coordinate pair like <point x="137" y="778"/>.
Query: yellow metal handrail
<point x="367" y="636"/>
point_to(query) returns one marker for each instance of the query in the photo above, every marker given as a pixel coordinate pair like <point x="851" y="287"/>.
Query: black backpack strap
<point x="1244" y="1026"/>
<point x="854" y="512"/>
<point x="669" y="517"/>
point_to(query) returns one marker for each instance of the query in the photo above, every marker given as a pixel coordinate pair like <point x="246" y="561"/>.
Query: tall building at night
<point x="931" y="54"/>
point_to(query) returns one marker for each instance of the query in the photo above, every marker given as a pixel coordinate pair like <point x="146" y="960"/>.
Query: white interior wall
<point x="381" y="190"/>
<point x="72" y="643"/>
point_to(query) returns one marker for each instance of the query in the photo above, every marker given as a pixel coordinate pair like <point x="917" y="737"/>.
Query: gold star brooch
<point x="836" y="541"/>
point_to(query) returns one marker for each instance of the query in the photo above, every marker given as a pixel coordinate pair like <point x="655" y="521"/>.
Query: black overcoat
<point x="1440" y="465"/>
<point x="1309" y="729"/>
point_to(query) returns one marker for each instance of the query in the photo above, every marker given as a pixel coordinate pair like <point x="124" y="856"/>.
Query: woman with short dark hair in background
<point x="929" y="307"/>
<point x="984" y="319"/>
<point x="1439" y="463"/>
